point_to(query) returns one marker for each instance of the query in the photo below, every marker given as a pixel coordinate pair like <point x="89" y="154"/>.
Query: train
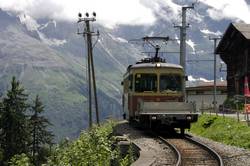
<point x="154" y="94"/>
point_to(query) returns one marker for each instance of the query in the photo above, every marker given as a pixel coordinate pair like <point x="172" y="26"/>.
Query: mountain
<point x="49" y="58"/>
<point x="54" y="68"/>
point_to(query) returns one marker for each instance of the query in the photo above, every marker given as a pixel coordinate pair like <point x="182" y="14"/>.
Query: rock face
<point x="49" y="58"/>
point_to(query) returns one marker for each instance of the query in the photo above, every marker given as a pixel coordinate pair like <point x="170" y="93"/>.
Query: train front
<point x="154" y="95"/>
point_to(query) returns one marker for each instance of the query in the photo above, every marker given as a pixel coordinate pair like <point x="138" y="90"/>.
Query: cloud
<point x="230" y="9"/>
<point x="109" y="12"/>
<point x="166" y="9"/>
<point x="132" y="12"/>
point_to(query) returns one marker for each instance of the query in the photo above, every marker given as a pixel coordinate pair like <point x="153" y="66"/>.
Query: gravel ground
<point x="231" y="155"/>
<point x="162" y="154"/>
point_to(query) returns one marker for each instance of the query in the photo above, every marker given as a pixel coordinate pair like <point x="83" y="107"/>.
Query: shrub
<point x="208" y="122"/>
<point x="92" y="148"/>
<point x="20" y="160"/>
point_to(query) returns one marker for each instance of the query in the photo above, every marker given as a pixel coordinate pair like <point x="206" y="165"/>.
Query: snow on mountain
<point x="208" y="32"/>
<point x="46" y="24"/>
<point x="51" y="41"/>
<point x="191" y="44"/>
<point x="194" y="79"/>
<point x="29" y="22"/>
<point x="32" y="25"/>
<point x="118" y="39"/>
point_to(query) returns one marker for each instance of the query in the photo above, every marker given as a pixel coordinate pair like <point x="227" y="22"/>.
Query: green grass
<point x="222" y="129"/>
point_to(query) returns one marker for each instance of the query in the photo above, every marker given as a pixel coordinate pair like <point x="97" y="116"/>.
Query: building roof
<point x="222" y="85"/>
<point x="233" y="32"/>
<point x="243" y="28"/>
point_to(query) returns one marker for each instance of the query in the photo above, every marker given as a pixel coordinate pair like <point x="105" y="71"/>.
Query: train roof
<point x="155" y="64"/>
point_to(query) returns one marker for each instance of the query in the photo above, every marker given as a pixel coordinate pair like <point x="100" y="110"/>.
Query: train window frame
<point x="146" y="88"/>
<point x="130" y="80"/>
<point x="172" y="89"/>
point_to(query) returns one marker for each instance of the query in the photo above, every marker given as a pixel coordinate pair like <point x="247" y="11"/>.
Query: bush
<point x="232" y="103"/>
<point x="208" y="121"/>
<point x="1" y="155"/>
<point x="92" y="148"/>
<point x="20" y="160"/>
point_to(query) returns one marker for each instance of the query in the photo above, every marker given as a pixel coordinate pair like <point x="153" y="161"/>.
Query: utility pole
<point x="91" y="72"/>
<point x="183" y="35"/>
<point x="215" y="93"/>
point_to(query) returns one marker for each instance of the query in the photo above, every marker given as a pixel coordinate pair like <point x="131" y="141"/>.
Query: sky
<point x="113" y="12"/>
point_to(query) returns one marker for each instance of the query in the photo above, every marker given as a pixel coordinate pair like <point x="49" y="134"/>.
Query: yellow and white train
<point x="153" y="94"/>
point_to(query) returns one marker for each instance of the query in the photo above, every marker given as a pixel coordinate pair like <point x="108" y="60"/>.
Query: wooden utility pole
<point x="91" y="71"/>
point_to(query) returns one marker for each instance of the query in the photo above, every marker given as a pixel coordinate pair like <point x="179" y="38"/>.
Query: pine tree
<point x="13" y="122"/>
<point x="1" y="150"/>
<point x="40" y="135"/>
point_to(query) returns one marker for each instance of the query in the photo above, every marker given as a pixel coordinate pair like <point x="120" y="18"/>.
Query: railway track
<point x="192" y="153"/>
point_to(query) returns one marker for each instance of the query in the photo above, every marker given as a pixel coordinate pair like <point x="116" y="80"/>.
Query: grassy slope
<point x="225" y="130"/>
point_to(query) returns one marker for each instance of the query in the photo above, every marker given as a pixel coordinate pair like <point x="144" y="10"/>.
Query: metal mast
<point x="91" y="72"/>
<point x="215" y="93"/>
<point x="183" y="35"/>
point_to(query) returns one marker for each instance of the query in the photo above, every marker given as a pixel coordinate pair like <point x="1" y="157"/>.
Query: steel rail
<point x="189" y="138"/>
<point x="204" y="146"/>
<point x="175" y="150"/>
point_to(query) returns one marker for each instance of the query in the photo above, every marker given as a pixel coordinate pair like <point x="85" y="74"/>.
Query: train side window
<point x="130" y="78"/>
<point x="145" y="82"/>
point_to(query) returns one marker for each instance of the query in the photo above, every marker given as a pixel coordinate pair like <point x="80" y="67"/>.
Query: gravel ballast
<point x="161" y="154"/>
<point x="231" y="155"/>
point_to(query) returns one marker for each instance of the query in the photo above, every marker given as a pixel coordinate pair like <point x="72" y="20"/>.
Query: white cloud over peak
<point x="109" y="12"/>
<point x="166" y="9"/>
<point x="132" y="12"/>
<point x="230" y="9"/>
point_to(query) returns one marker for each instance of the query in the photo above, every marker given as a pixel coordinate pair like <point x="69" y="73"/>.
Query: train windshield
<point x="170" y="83"/>
<point x="145" y="82"/>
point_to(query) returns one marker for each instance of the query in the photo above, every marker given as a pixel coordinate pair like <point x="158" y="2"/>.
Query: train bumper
<point x="169" y="112"/>
<point x="172" y="118"/>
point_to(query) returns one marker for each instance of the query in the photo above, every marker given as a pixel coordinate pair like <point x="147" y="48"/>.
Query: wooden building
<point x="234" y="50"/>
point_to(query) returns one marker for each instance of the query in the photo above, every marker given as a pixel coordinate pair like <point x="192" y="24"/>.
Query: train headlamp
<point x="189" y="117"/>
<point x="153" y="117"/>
<point x="158" y="65"/>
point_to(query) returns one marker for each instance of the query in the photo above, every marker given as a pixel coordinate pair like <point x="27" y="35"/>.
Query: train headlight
<point x="158" y="65"/>
<point x="153" y="117"/>
<point x="189" y="117"/>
